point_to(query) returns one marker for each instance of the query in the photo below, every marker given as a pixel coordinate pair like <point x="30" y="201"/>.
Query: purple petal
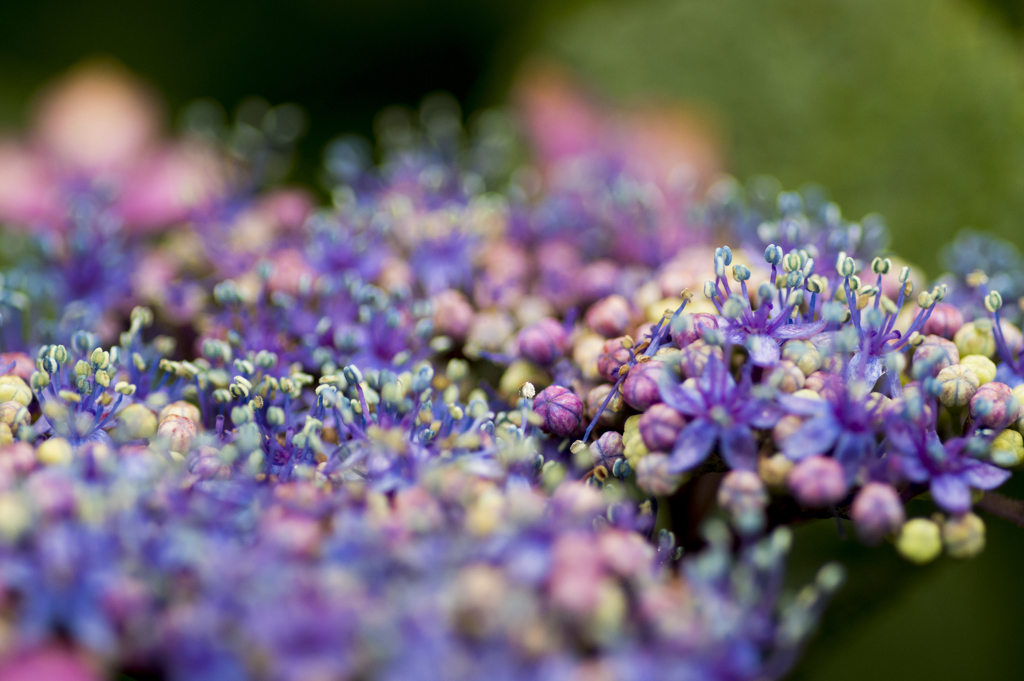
<point x="693" y="445"/>
<point x="762" y="414"/>
<point x="683" y="400"/>
<point x="853" y="450"/>
<point x="951" y="493"/>
<point x="814" y="437"/>
<point x="739" y="448"/>
<point x="912" y="468"/>
<point x="800" y="331"/>
<point x="764" y="351"/>
<point x="869" y="369"/>
<point x="801" y="406"/>
<point x="984" y="475"/>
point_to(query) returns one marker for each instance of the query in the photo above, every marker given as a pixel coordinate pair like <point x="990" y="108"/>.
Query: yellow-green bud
<point x="55" y="452"/>
<point x="958" y="383"/>
<point x="964" y="536"/>
<point x="975" y="339"/>
<point x="15" y="518"/>
<point x="13" y="388"/>
<point x="135" y="422"/>
<point x="1007" y="449"/>
<point x="804" y="354"/>
<point x="919" y="541"/>
<point x="634" y="448"/>
<point x="982" y="367"/>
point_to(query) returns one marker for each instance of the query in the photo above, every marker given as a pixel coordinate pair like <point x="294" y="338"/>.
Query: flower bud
<point x="817" y="482"/>
<point x="945" y="320"/>
<point x="640" y="389"/>
<point x="774" y="470"/>
<point x="787" y="377"/>
<point x="803" y="354"/>
<point x="982" y="366"/>
<point x="609" y="316"/>
<point x="14" y="389"/>
<point x="543" y="342"/>
<point x="687" y="328"/>
<point x="660" y="426"/>
<point x="55" y="452"/>
<point x="134" y="422"/>
<point x="612" y="414"/>
<point x="990" y="406"/>
<point x="653" y="476"/>
<point x="743" y="495"/>
<point x="607" y="449"/>
<point x="453" y="315"/>
<point x="694" y="357"/>
<point x="958" y="385"/>
<point x="919" y="541"/>
<point x="1007" y="449"/>
<point x="964" y="536"/>
<point x="178" y="431"/>
<point x="560" y="409"/>
<point x="877" y="511"/>
<point x="13" y="414"/>
<point x="975" y="338"/>
<point x="936" y="353"/>
<point x="633" y="445"/>
<point x="181" y="408"/>
<point x="614" y="354"/>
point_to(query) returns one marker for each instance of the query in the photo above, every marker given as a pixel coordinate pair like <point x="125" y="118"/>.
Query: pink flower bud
<point x="543" y="342"/>
<point x="597" y="280"/>
<point x="453" y="314"/>
<point x="938" y="352"/>
<point x="178" y="432"/>
<point x="23" y="364"/>
<point x="690" y="327"/>
<point x="817" y="482"/>
<point x="609" y="316"/>
<point x="561" y="410"/>
<point x="990" y="406"/>
<point x="613" y="355"/>
<point x="607" y="449"/>
<point x="640" y="389"/>
<point x="612" y="416"/>
<point x="945" y="321"/>
<point x="660" y="426"/>
<point x="876" y="512"/>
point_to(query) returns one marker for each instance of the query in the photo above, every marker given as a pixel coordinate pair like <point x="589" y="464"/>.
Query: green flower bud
<point x="958" y="385"/>
<point x="964" y="536"/>
<point x="55" y="452"/>
<point x="919" y="541"/>
<point x="1007" y="449"/>
<point x="975" y="338"/>
<point x="982" y="367"/>
<point x="13" y="388"/>
<point x="135" y="422"/>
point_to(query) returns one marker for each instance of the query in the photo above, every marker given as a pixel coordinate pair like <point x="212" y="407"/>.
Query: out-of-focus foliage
<point x="910" y="108"/>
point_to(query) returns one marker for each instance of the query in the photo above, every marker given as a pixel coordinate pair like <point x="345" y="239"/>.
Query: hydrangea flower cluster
<point x="442" y="426"/>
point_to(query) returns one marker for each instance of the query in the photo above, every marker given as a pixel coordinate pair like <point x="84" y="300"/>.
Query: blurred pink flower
<point x="97" y="126"/>
<point x="49" y="663"/>
<point x="663" y="143"/>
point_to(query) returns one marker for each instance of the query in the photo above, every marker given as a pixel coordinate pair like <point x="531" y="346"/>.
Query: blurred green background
<point x="912" y="108"/>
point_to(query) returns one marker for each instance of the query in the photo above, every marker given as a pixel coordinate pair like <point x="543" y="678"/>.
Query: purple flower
<point x="724" y="412"/>
<point x="948" y="467"/>
<point x="759" y="330"/>
<point x="843" y="424"/>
